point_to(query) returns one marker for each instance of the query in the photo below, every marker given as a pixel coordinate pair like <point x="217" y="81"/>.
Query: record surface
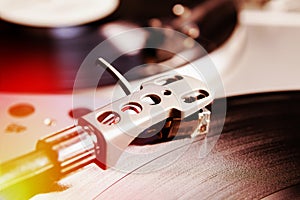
<point x="257" y="156"/>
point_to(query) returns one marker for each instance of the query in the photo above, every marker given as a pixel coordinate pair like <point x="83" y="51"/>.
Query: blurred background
<point x="270" y="61"/>
<point x="254" y="45"/>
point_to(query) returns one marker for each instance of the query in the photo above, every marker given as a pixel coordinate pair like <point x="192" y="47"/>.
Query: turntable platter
<point x="44" y="58"/>
<point x="55" y="13"/>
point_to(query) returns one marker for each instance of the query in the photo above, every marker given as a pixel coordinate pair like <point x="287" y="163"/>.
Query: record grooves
<point x="256" y="156"/>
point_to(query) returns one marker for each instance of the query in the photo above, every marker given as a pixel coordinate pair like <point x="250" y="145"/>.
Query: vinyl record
<point x="46" y="58"/>
<point x="257" y="156"/>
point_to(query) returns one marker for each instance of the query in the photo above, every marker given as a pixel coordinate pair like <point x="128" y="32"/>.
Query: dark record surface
<point x="256" y="156"/>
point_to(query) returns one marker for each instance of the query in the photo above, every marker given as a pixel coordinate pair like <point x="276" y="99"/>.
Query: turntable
<point x="52" y="77"/>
